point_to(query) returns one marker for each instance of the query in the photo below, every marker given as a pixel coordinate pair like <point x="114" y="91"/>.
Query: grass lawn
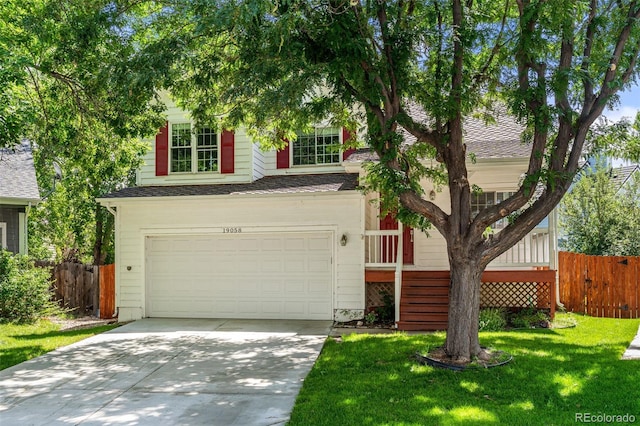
<point x="19" y="343"/>
<point x="373" y="380"/>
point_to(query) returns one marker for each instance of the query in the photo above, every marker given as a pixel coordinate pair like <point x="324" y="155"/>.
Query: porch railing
<point x="533" y="250"/>
<point x="381" y="248"/>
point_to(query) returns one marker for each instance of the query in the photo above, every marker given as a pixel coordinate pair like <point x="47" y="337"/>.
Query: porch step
<point x="424" y="301"/>
<point x="421" y="326"/>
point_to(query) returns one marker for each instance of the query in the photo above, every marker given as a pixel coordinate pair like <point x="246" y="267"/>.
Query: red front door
<point x="388" y="222"/>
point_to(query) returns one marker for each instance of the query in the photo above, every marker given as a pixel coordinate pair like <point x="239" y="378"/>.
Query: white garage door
<point x="284" y="276"/>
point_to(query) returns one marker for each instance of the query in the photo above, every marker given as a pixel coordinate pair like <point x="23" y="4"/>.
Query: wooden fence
<point x="107" y="291"/>
<point x="600" y="286"/>
<point x="83" y="288"/>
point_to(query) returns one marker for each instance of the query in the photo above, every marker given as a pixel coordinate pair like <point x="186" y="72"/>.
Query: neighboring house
<point x="18" y="192"/>
<point x="217" y="228"/>
<point x="623" y="175"/>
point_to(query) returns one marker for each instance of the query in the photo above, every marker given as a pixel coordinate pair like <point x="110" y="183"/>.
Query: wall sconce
<point x="432" y="195"/>
<point x="343" y="240"/>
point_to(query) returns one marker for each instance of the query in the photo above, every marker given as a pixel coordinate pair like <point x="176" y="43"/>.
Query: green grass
<point x="21" y="342"/>
<point x="373" y="380"/>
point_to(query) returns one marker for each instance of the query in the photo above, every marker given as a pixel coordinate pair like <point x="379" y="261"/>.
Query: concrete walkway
<point x="167" y="372"/>
<point x="633" y="351"/>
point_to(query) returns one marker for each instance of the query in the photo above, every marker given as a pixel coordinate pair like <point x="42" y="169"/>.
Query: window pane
<point x="304" y="150"/>
<point x="321" y="147"/>
<point x="181" y="147"/>
<point x="207" y="148"/>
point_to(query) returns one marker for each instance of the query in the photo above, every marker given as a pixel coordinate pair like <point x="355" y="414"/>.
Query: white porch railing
<point x="381" y="248"/>
<point x="535" y="249"/>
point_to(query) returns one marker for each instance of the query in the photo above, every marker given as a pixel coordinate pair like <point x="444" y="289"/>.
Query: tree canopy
<point x="409" y="72"/>
<point x="601" y="217"/>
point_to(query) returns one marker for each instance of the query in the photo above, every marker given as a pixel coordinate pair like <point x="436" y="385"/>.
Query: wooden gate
<point x="600" y="286"/>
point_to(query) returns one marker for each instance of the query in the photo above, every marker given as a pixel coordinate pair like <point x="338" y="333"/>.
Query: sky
<point x="629" y="105"/>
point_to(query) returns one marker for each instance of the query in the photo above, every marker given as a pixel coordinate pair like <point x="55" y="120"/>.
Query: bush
<point x="24" y="289"/>
<point x="529" y="318"/>
<point x="492" y="319"/>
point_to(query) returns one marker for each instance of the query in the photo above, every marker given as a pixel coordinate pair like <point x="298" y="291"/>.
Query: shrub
<point x="387" y="312"/>
<point x="492" y="319"/>
<point x="24" y="289"/>
<point x="530" y="317"/>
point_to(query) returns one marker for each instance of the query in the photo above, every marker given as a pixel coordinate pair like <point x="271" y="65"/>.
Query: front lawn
<point x="555" y="375"/>
<point x="21" y="342"/>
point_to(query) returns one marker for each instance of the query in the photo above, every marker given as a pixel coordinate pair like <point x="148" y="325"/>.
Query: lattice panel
<point x="375" y="292"/>
<point x="515" y="295"/>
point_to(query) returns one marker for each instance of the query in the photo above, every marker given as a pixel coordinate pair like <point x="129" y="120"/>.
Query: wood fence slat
<point x="600" y="286"/>
<point x="631" y="288"/>
<point x="107" y="291"/>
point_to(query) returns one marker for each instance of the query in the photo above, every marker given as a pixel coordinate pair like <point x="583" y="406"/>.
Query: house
<point x="18" y="192"/>
<point x="217" y="228"/>
<point x="624" y="175"/>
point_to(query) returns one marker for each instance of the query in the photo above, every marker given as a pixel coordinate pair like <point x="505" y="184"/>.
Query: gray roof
<point x="621" y="175"/>
<point x="287" y="184"/>
<point x="486" y="140"/>
<point x="18" y="174"/>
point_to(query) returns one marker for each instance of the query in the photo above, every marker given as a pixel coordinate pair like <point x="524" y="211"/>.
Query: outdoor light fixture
<point x="343" y="240"/>
<point x="432" y="195"/>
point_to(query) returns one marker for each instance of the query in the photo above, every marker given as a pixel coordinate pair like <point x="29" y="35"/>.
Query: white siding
<point x="337" y="213"/>
<point x="271" y="168"/>
<point x="243" y="171"/>
<point x="258" y="162"/>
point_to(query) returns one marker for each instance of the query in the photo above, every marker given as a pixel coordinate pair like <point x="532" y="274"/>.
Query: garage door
<point x="285" y="276"/>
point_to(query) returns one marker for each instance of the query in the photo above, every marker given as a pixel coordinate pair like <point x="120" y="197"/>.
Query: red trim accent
<point x="227" y="152"/>
<point x="389" y="222"/>
<point x="162" y="151"/>
<point x="282" y="157"/>
<point x="346" y="135"/>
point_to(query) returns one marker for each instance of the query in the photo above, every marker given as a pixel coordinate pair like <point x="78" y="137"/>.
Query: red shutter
<point x="162" y="151"/>
<point x="282" y="157"/>
<point x="227" y="152"/>
<point x="345" y="137"/>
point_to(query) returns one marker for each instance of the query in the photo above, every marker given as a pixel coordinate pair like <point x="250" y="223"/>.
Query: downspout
<point x="398" y="274"/>
<point x="26" y="228"/>
<point x="553" y="246"/>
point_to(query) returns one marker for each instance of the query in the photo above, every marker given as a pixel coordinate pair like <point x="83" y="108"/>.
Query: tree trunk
<point x="97" y="245"/>
<point x="464" y="305"/>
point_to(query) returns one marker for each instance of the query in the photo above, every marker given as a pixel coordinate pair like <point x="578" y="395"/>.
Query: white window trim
<point x="315" y="130"/>
<point x="3" y="240"/>
<point x="194" y="150"/>
<point x="501" y="223"/>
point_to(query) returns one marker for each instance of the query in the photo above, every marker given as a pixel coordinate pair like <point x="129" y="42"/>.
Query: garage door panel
<point x="240" y="276"/>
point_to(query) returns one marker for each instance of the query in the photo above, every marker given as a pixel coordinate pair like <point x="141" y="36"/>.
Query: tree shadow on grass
<point x="374" y="380"/>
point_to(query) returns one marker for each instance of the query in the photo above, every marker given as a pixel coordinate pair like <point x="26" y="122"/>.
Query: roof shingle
<point x="288" y="184"/>
<point x="18" y="174"/>
<point x="485" y="140"/>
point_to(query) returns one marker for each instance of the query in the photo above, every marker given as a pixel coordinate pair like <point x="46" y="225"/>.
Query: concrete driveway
<point x="167" y="371"/>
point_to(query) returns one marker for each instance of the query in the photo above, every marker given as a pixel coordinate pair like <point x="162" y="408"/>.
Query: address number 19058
<point x="231" y="230"/>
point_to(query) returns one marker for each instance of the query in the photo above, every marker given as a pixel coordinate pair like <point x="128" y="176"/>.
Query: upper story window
<point x="482" y="200"/>
<point x="320" y="147"/>
<point x="193" y="150"/>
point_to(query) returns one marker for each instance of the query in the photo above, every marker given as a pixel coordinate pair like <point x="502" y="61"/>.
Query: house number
<point x="231" y="230"/>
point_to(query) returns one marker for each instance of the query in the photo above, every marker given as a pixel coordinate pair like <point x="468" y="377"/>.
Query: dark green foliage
<point x="24" y="289"/>
<point x="386" y="312"/>
<point x="529" y="318"/>
<point x="492" y="319"/>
